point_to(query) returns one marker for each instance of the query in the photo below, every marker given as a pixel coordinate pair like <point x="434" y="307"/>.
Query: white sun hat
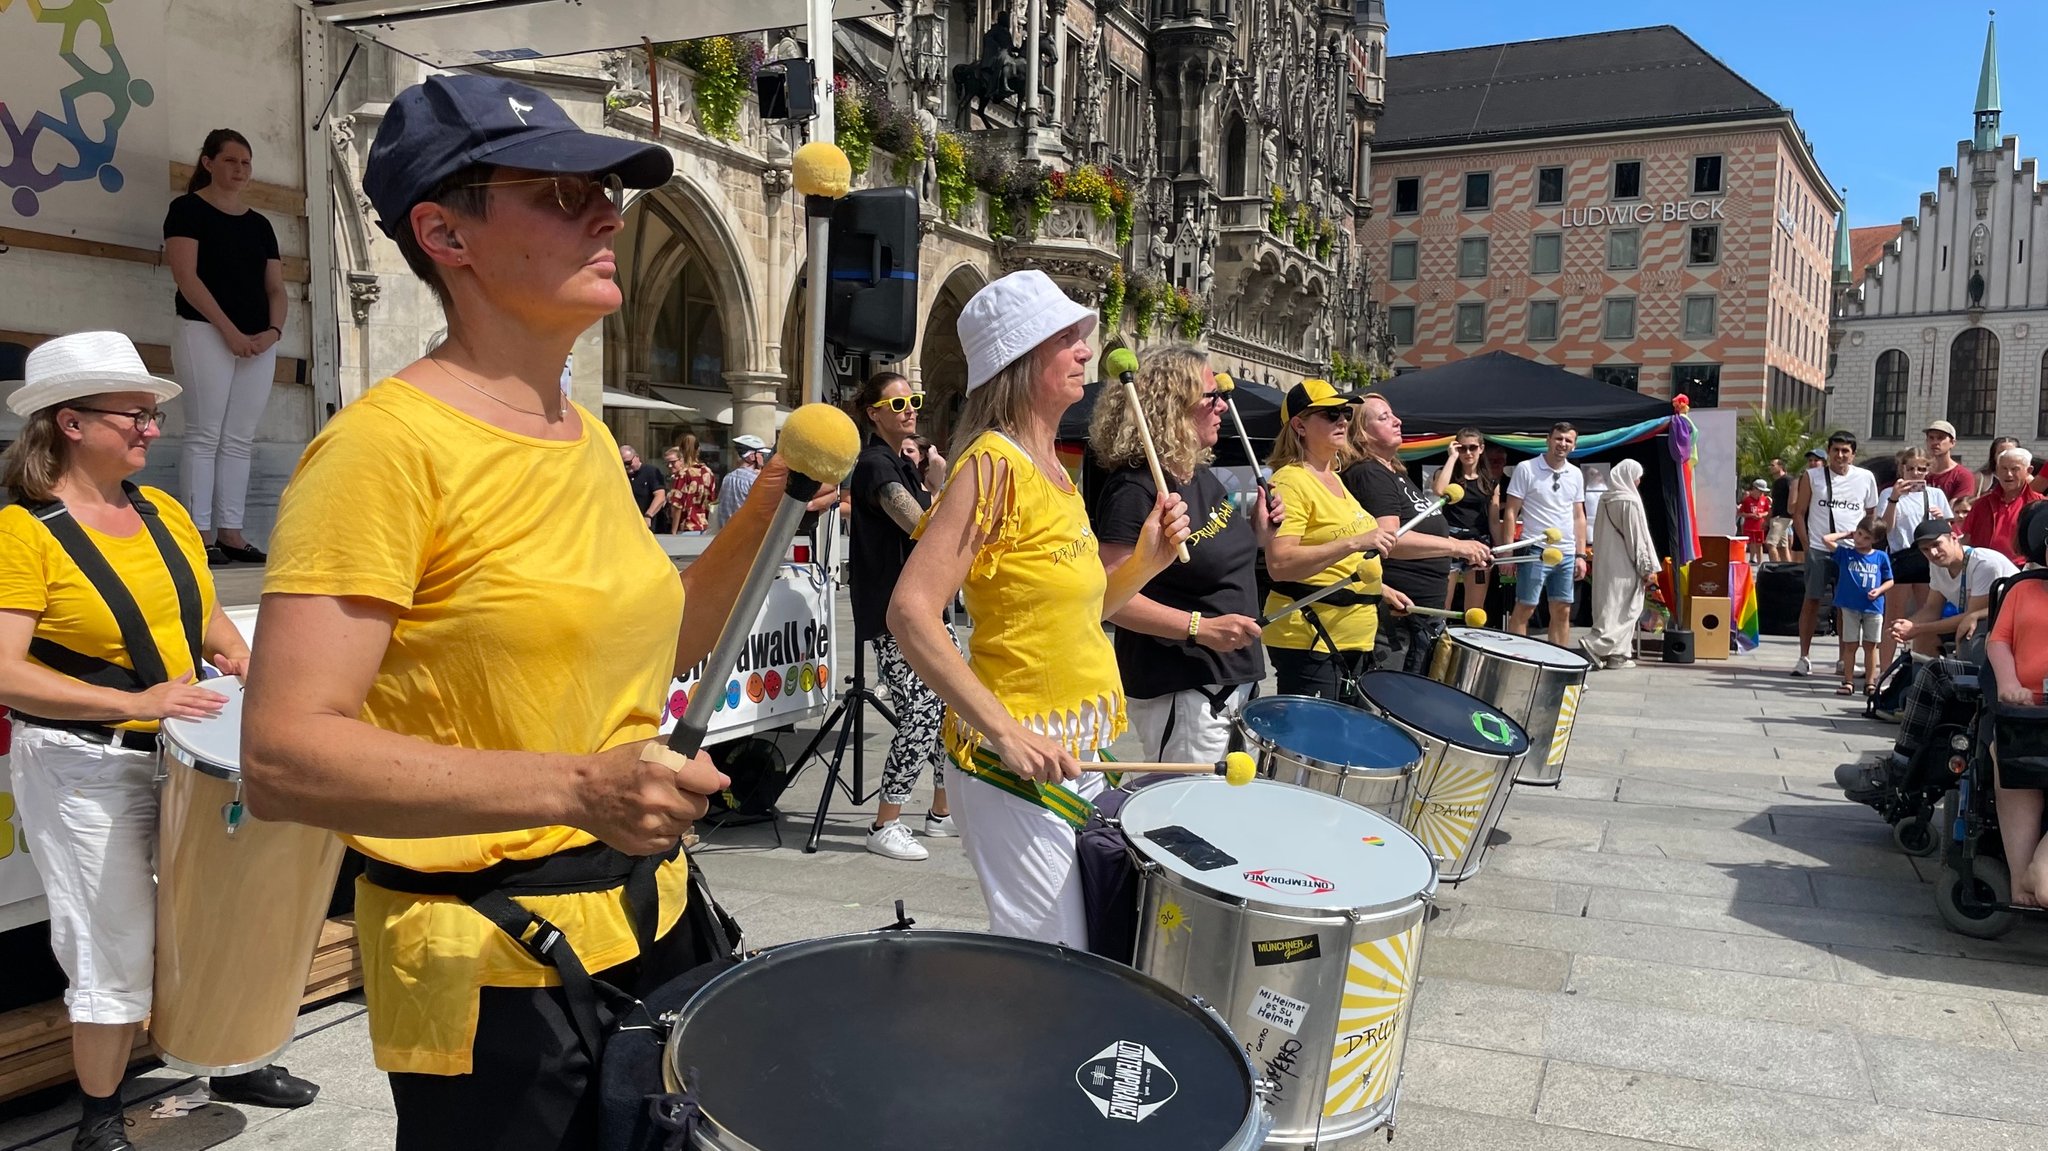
<point x="1011" y="316"/>
<point x="84" y="364"/>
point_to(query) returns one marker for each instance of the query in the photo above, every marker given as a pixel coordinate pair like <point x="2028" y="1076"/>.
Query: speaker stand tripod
<point x="848" y="719"/>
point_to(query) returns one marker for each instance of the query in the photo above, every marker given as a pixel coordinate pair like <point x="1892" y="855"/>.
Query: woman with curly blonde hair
<point x="1187" y="645"/>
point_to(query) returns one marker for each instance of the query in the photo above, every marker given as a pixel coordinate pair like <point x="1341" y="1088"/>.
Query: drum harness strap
<point x="135" y="634"/>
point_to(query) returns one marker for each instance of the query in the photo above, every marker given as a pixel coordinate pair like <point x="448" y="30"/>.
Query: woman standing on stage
<point x="1474" y="517"/>
<point x="889" y="497"/>
<point x="462" y="683"/>
<point x="1039" y="691"/>
<point x="87" y="704"/>
<point x="1187" y="646"/>
<point x="231" y="312"/>
<point x="1319" y="542"/>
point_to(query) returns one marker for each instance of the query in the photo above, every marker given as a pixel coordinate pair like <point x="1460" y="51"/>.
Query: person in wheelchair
<point x="1958" y="575"/>
<point x="2016" y="716"/>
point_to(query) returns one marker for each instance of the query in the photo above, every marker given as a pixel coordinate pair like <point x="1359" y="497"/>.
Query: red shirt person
<point x="1994" y="519"/>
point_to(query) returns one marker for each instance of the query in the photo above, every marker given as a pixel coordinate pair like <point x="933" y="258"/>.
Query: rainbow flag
<point x="1748" y="626"/>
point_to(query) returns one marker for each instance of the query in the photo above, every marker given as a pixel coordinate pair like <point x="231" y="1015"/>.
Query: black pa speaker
<point x="1679" y="646"/>
<point x="787" y="90"/>
<point x="871" y="297"/>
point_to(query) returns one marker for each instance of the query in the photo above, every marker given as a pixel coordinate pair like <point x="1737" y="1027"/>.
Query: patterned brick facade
<point x="1768" y="278"/>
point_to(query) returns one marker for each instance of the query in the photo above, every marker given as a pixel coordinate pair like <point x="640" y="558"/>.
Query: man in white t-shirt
<point x="1834" y="498"/>
<point x="1550" y="492"/>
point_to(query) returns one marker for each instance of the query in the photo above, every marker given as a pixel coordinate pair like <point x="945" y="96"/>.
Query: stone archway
<point x="942" y="364"/>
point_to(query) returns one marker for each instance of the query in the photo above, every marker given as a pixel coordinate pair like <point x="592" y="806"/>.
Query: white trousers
<point x="224" y="399"/>
<point x="89" y="810"/>
<point x="1184" y="726"/>
<point x="1024" y="857"/>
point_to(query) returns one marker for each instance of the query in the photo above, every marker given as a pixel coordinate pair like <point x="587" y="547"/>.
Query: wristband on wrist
<point x="1194" y="624"/>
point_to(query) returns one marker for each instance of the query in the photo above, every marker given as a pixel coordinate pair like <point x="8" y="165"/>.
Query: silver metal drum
<point x="1535" y="682"/>
<point x="1333" y="748"/>
<point x="1300" y="917"/>
<point x="1470" y="753"/>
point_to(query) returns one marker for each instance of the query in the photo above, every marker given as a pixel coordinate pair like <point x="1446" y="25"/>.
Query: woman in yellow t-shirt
<point x="86" y="703"/>
<point x="468" y="634"/>
<point x="1319" y="542"/>
<point x="1039" y="690"/>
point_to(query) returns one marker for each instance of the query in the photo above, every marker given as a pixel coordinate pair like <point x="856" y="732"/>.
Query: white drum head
<point x="1279" y="845"/>
<point x="216" y="741"/>
<point x="1519" y="647"/>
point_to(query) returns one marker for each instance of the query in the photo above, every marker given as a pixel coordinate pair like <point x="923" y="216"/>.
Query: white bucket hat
<point x="1010" y="317"/>
<point x="84" y="364"/>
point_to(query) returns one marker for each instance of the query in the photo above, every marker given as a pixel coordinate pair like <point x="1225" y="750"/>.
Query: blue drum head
<point x="1328" y="732"/>
<point x="1444" y="712"/>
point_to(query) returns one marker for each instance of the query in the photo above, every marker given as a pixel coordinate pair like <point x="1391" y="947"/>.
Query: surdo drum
<point x="1470" y="753"/>
<point x="1300" y="917"/>
<point x="1013" y="1045"/>
<point x="1536" y="683"/>
<point x="239" y="904"/>
<point x="1333" y="748"/>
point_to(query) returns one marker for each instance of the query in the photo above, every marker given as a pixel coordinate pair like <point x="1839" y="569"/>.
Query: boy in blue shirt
<point x="1865" y="574"/>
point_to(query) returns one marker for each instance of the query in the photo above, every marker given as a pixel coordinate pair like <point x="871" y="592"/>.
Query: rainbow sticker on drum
<point x="1379" y="988"/>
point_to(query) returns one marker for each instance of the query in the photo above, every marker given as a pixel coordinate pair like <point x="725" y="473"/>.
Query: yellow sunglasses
<point x="898" y="404"/>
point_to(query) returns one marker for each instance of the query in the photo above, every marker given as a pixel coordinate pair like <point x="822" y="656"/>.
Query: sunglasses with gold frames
<point x="898" y="404"/>
<point x="572" y="190"/>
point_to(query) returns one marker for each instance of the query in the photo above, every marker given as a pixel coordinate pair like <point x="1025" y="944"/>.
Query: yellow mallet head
<point x="1224" y="383"/>
<point x="1239" y="769"/>
<point x="1553" y="556"/>
<point x="819" y="441"/>
<point x="1552" y="535"/>
<point x="1475" y="617"/>
<point x="821" y="169"/>
<point x="1454" y="494"/>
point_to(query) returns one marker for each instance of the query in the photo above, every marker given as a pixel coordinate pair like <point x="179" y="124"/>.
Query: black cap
<point x="437" y="128"/>
<point x="1931" y="530"/>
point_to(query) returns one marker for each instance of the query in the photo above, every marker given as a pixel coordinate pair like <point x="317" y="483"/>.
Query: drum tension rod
<point x="903" y="922"/>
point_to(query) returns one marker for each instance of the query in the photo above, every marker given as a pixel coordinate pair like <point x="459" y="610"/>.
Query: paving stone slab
<point x="2021" y="981"/>
<point x="1606" y="810"/>
<point x="1531" y="826"/>
<point x="1959" y="1081"/>
<point x="2026" y="1023"/>
<point x="1499" y="964"/>
<point x="1650" y="873"/>
<point x="1456" y="1128"/>
<point x="1917" y="930"/>
<point x="1644" y="941"/>
<point x="1813" y="854"/>
<point x="1492" y="888"/>
<point x="1474" y="1079"/>
<point x="1756" y="801"/>
<point x="1697" y="990"/>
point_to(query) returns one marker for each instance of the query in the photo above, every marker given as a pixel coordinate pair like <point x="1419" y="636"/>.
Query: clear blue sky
<point x="1884" y="88"/>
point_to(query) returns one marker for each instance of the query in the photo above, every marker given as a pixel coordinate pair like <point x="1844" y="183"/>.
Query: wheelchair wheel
<point x="1988" y="882"/>
<point x="1915" y="836"/>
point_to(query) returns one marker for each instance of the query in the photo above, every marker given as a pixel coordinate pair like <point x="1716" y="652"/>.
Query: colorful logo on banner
<point x="95" y="105"/>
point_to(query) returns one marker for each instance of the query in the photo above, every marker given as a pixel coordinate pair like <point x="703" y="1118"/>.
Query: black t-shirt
<point x="880" y="546"/>
<point x="647" y="480"/>
<point x="1216" y="580"/>
<point x="1381" y="491"/>
<point x="1468" y="516"/>
<point x="233" y="251"/>
<point x="1781" y="496"/>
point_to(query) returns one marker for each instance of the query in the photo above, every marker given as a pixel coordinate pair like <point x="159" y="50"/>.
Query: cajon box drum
<point x="1707" y="617"/>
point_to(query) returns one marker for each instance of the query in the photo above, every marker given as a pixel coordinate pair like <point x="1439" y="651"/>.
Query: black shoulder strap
<point x="136" y="637"/>
<point x="191" y="608"/>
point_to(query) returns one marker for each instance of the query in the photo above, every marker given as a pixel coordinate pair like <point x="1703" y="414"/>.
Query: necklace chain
<point x="446" y="371"/>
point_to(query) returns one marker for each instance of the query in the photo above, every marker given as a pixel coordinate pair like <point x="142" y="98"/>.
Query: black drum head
<point x="1443" y="712"/>
<point x="957" y="1040"/>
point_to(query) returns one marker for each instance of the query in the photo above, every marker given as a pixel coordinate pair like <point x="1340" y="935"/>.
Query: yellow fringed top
<point x="1034" y="590"/>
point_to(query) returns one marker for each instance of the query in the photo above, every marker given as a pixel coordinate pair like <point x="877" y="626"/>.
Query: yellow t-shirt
<point x="535" y="612"/>
<point x="1318" y="515"/>
<point x="1035" y="592"/>
<point x="37" y="575"/>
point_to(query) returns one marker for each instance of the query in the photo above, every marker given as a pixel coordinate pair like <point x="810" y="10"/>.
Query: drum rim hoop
<point x="1262" y="744"/>
<point x="168" y="745"/>
<point x="1456" y="636"/>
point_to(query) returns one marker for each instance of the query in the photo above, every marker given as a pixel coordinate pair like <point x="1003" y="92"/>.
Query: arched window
<point x="689" y="336"/>
<point x="1234" y="160"/>
<point x="1973" y="383"/>
<point x="1888" y="397"/>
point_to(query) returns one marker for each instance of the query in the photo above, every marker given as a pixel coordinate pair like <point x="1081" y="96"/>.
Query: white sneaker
<point x="894" y="841"/>
<point x="939" y="827"/>
<point x="1619" y="663"/>
<point x="1803" y="667"/>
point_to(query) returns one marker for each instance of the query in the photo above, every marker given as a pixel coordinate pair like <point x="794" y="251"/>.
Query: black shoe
<point x="216" y="556"/>
<point x="243" y="555"/>
<point x="1861" y="781"/>
<point x="106" y="1133"/>
<point x="271" y="1086"/>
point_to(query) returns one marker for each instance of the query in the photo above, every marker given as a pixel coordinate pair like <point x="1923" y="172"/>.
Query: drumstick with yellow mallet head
<point x="1452" y="493"/>
<point x="1228" y="386"/>
<point x="1549" y="555"/>
<point x="819" y="444"/>
<point x="1547" y="536"/>
<point x="1124" y="363"/>
<point x="1472" y="616"/>
<point x="1237" y="768"/>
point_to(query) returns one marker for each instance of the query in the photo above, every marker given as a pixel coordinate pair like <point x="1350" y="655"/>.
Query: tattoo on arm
<point x="901" y="506"/>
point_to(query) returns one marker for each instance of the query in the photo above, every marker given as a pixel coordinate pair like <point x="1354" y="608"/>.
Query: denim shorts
<point x="1532" y="580"/>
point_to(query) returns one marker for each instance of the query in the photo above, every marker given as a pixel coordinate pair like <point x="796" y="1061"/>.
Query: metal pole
<point x="820" y="230"/>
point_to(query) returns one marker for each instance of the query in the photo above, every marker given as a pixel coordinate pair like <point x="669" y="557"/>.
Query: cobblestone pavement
<point x="1695" y="941"/>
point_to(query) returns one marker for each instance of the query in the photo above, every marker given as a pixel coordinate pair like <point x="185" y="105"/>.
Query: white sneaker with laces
<point x="892" y="840"/>
<point x="939" y="827"/>
<point x="1803" y="667"/>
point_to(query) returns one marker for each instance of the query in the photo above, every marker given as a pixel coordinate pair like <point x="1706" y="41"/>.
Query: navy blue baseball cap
<point x="437" y="128"/>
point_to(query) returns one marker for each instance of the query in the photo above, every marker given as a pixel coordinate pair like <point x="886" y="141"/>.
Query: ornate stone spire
<point x="1987" y="91"/>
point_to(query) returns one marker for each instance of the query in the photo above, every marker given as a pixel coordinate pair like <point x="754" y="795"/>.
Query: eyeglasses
<point x="899" y="404"/>
<point x="1210" y="397"/>
<point x="1468" y="447"/>
<point x="142" y="417"/>
<point x="1334" y="415"/>
<point x="572" y="190"/>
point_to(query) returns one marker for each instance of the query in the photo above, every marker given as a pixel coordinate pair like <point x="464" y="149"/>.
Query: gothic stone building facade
<point x="1619" y="204"/>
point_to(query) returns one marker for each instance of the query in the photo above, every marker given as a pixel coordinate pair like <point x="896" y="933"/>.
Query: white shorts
<point x="89" y="811"/>
<point x="1024" y="857"/>
<point x="1186" y="726"/>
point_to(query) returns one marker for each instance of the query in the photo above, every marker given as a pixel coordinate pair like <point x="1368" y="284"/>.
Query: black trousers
<point x="1405" y="642"/>
<point x="533" y="1087"/>
<point x="1318" y="672"/>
